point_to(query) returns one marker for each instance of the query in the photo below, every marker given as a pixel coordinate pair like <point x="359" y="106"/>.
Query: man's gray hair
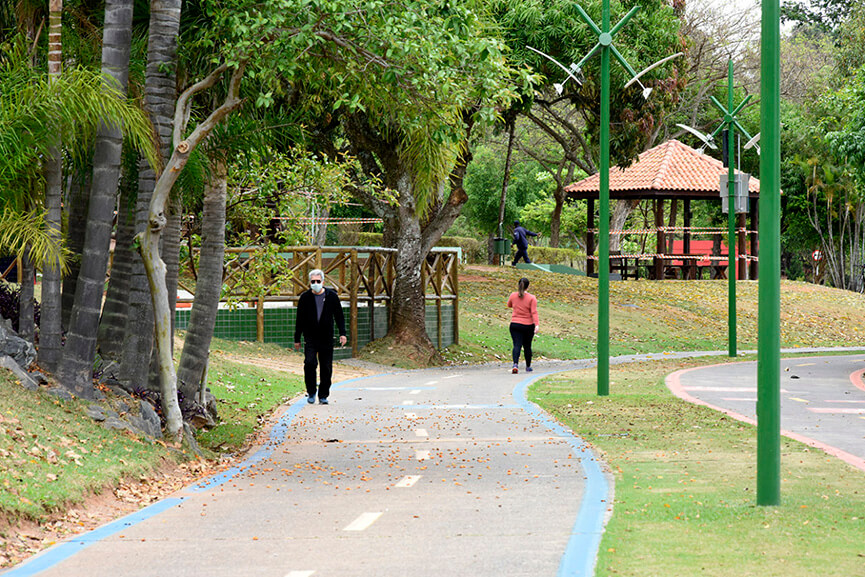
<point x="316" y="272"/>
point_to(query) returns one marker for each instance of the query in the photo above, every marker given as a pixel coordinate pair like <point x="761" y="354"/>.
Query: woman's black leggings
<point x="522" y="336"/>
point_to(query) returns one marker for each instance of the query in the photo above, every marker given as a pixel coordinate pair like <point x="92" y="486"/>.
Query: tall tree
<point x="160" y="95"/>
<point x="77" y="365"/>
<point x="196" y="345"/>
<point x="420" y="148"/>
<point x="50" y="329"/>
<point x="33" y="112"/>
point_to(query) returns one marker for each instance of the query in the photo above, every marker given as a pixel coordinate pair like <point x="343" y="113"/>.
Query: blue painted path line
<point x="581" y="552"/>
<point x="62" y="551"/>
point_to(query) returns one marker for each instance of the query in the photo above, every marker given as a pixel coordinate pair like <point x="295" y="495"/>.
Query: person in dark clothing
<point x="317" y="309"/>
<point x="521" y="241"/>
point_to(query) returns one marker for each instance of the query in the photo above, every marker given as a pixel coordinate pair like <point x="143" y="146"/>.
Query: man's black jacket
<point x="318" y="332"/>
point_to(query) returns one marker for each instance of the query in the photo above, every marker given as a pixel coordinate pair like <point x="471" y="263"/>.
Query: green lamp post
<point x="731" y="125"/>
<point x="605" y="47"/>
<point x="769" y="291"/>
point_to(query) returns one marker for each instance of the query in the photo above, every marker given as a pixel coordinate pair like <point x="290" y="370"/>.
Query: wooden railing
<point x="358" y="274"/>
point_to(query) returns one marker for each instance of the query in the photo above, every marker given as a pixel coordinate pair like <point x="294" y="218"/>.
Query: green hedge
<point x="546" y="255"/>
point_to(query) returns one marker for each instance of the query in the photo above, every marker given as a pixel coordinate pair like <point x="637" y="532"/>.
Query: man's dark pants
<point x="522" y="253"/>
<point x="314" y="356"/>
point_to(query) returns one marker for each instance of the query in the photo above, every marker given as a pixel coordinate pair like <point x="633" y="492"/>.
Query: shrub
<point x="566" y="256"/>
<point x="9" y="303"/>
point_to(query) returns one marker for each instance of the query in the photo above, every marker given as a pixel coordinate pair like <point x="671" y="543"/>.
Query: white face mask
<point x="316" y="286"/>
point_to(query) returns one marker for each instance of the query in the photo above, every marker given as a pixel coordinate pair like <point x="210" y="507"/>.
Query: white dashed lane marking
<point x="832" y="410"/>
<point x="363" y="522"/>
<point x="300" y="573"/>
<point x="408" y="481"/>
<point x="422" y="455"/>
<point x="421" y="433"/>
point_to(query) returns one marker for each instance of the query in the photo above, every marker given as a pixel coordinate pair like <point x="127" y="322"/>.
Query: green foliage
<point x="25" y="230"/>
<point x="818" y="16"/>
<point x="413" y="68"/>
<point x="266" y="187"/>
<point x="536" y="217"/>
<point x="33" y="115"/>
<point x="483" y="184"/>
<point x="265" y="274"/>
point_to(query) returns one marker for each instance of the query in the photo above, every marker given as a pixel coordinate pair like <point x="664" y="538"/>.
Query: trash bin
<point x="502" y="246"/>
<point x="501" y="249"/>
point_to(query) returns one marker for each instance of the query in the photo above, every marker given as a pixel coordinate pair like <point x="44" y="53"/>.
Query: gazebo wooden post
<point x="661" y="240"/>
<point x="755" y="242"/>
<point x="590" y="236"/>
<point x="690" y="264"/>
<point x="742" y="252"/>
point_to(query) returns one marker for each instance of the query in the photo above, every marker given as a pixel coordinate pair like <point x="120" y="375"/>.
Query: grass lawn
<point x="50" y="455"/>
<point x="685" y="485"/>
<point x="246" y="393"/>
<point x="645" y="316"/>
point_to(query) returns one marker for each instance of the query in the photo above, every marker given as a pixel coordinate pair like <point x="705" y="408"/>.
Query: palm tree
<point x="196" y="346"/>
<point x="80" y="350"/>
<point x="34" y="113"/>
<point x="160" y="94"/>
<point x="50" y="329"/>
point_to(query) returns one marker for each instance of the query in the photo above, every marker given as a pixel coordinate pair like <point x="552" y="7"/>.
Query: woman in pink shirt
<point x="524" y="323"/>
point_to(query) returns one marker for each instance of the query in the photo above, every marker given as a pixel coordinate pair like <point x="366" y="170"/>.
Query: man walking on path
<point x="521" y="241"/>
<point x="317" y="309"/>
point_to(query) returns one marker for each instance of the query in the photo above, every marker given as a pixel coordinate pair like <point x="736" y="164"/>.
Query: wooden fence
<point x="360" y="275"/>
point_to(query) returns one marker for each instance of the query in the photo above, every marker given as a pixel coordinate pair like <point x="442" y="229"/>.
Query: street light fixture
<point x="731" y="124"/>
<point x="706" y="139"/>
<point x="605" y="47"/>
<point x="570" y="71"/>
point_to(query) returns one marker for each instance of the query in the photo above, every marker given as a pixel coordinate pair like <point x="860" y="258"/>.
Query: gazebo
<point x="673" y="171"/>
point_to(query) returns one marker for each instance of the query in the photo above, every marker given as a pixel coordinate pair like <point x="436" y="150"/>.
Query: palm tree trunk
<point x="76" y="368"/>
<point x="196" y="347"/>
<point x="171" y="254"/>
<point x="78" y="197"/>
<point x="26" y="300"/>
<point x="112" y="324"/>
<point x="50" y="330"/>
<point x="160" y="94"/>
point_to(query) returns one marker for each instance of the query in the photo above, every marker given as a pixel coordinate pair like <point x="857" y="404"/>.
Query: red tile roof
<point x="669" y="169"/>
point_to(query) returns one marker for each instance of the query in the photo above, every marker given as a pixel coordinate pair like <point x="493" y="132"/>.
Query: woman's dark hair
<point x="523" y="286"/>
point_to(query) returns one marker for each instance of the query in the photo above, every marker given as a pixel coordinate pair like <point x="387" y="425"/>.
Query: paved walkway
<point x="437" y="472"/>
<point x="822" y="399"/>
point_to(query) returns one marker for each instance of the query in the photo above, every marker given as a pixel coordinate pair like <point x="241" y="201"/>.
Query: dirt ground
<point x="21" y="539"/>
